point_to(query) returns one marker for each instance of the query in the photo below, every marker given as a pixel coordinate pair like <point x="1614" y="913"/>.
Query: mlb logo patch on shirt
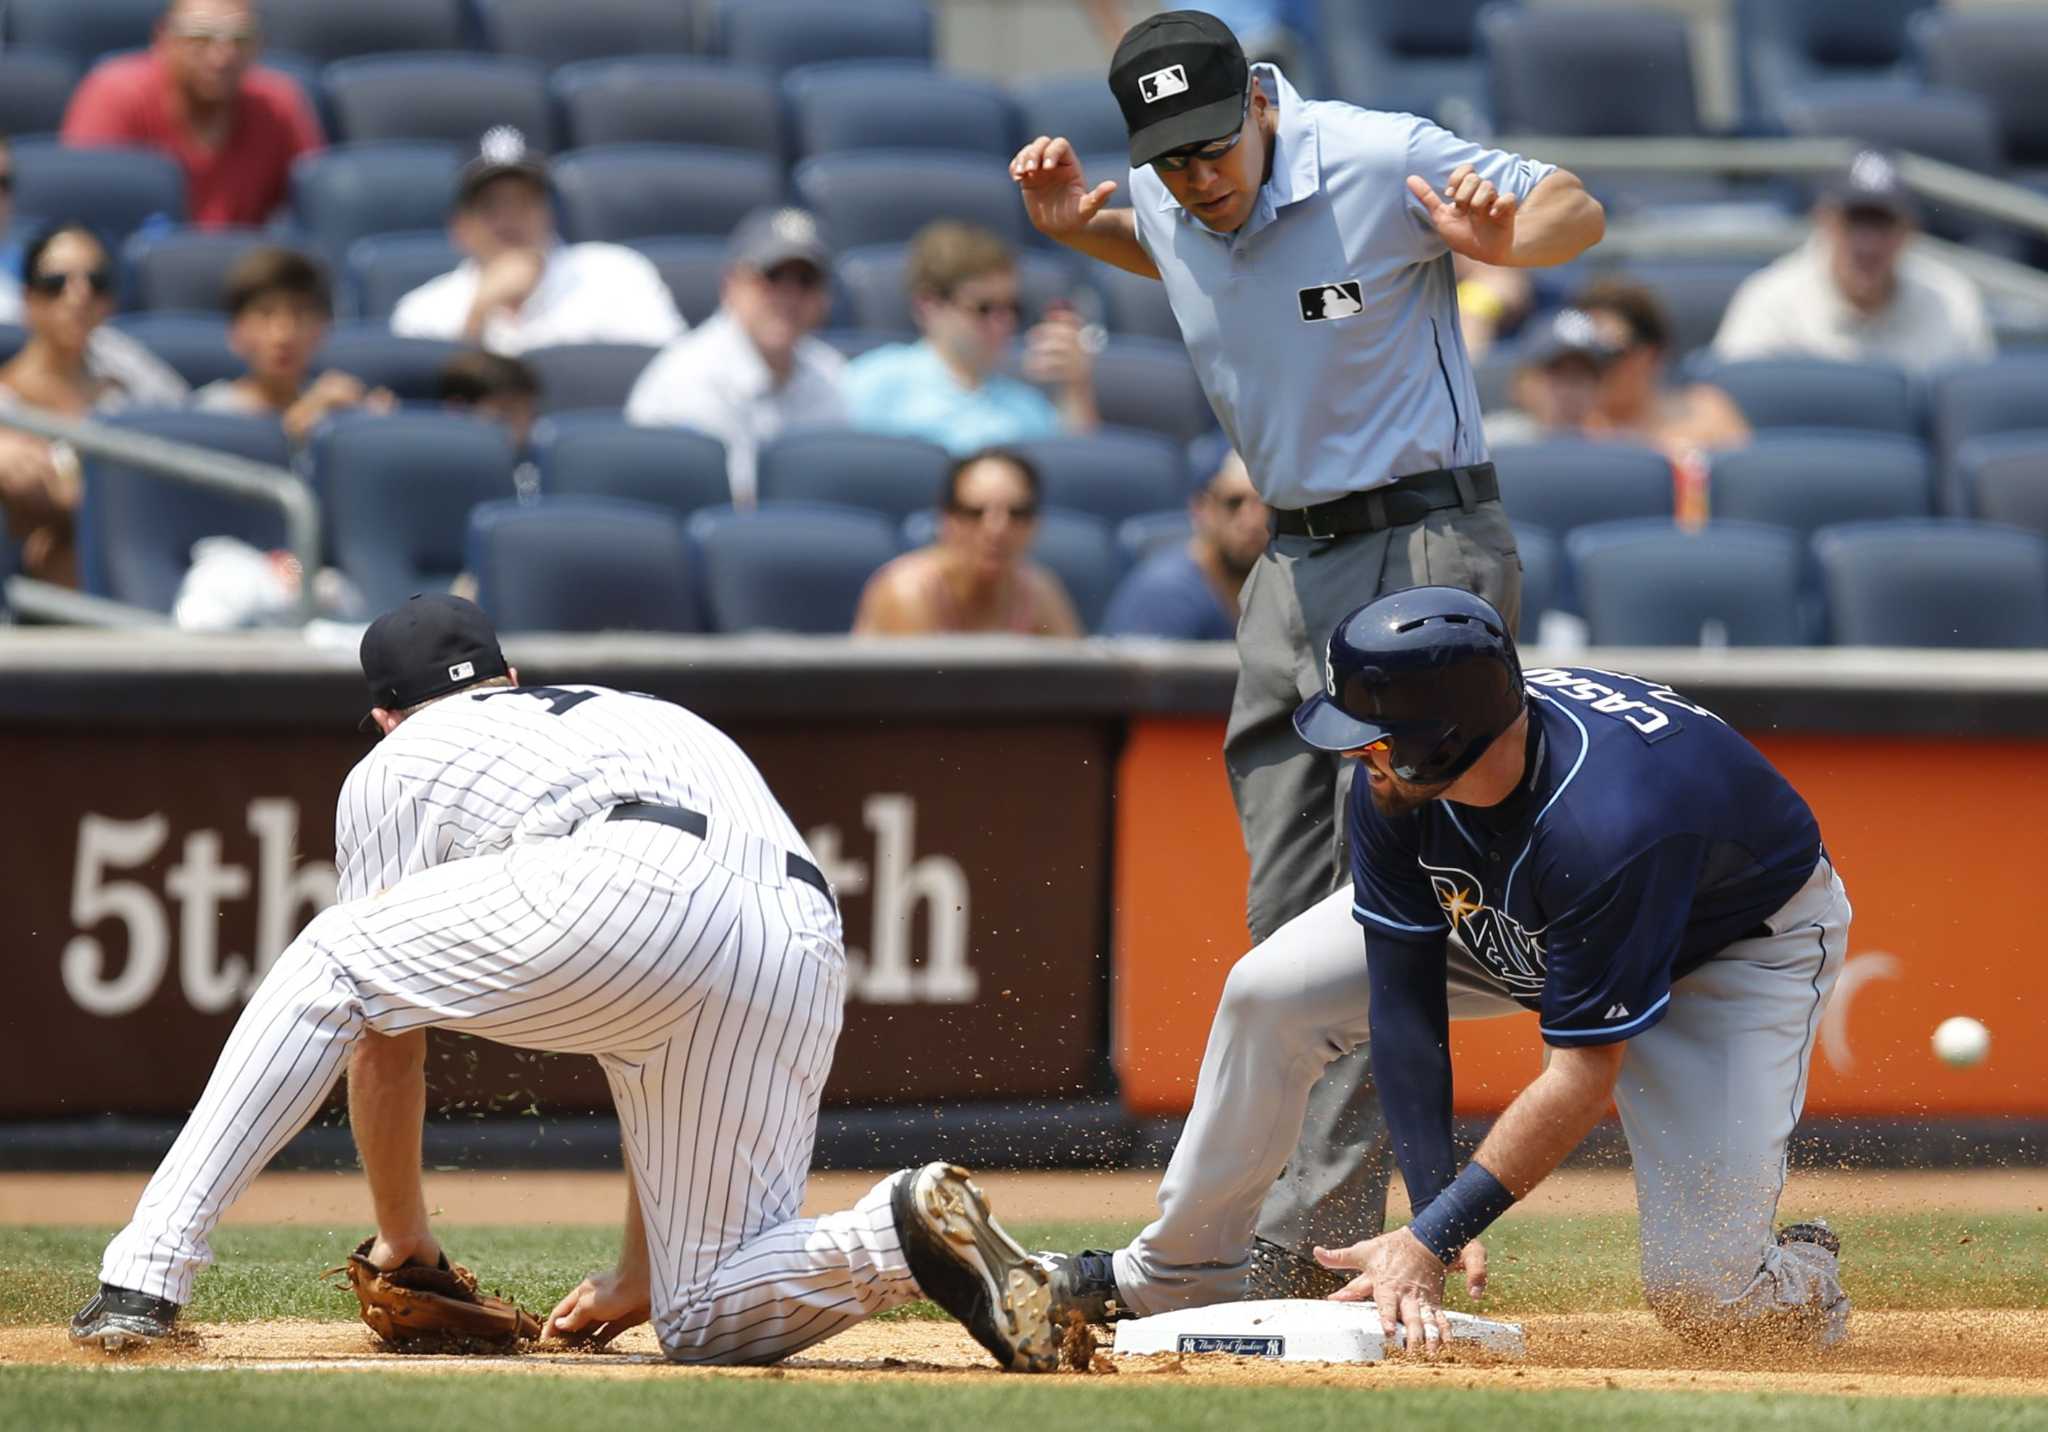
<point x="1332" y="300"/>
<point x="1163" y="84"/>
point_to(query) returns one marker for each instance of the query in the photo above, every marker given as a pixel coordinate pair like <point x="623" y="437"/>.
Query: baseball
<point x="1961" y="1042"/>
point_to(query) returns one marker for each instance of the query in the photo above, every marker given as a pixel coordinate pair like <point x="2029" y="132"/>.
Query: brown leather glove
<point x="417" y="1308"/>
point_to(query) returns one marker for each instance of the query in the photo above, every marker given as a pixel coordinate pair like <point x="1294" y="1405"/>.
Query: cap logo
<point x="1342" y="299"/>
<point x="1163" y="84"/>
<point x="1871" y="170"/>
<point x="794" y="226"/>
<point x="502" y="144"/>
<point x="462" y="671"/>
<point x="1330" y="667"/>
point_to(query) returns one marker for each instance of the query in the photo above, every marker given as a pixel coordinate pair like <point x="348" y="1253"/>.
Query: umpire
<point x="1306" y="249"/>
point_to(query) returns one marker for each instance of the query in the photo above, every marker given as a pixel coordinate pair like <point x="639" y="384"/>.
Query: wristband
<point x="1463" y="1211"/>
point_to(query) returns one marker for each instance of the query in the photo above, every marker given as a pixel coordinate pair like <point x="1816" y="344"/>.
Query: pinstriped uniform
<point x="483" y="889"/>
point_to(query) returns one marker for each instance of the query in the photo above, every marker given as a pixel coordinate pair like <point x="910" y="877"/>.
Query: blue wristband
<point x="1463" y="1211"/>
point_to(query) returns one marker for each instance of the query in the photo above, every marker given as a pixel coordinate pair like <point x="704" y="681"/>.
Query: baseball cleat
<point x="1814" y="1231"/>
<point x="1083" y="1283"/>
<point x="118" y="1319"/>
<point x="965" y="1262"/>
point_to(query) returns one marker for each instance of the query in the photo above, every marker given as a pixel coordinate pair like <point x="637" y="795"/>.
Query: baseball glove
<point x="414" y="1307"/>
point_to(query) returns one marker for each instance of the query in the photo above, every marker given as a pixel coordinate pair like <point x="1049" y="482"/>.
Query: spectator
<point x="1557" y="387"/>
<point x="1853" y="292"/>
<point x="977" y="576"/>
<point x="494" y="387"/>
<point x="753" y="368"/>
<point x="280" y="307"/>
<point x="1190" y="591"/>
<point x="520" y="287"/>
<point x="949" y="388"/>
<point x="10" y="255"/>
<point x="1634" y="400"/>
<point x="233" y="129"/>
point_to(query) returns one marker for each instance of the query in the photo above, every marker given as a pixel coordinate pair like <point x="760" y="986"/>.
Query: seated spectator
<point x="1189" y="591"/>
<point x="1634" y="400"/>
<point x="753" y="368"/>
<point x="10" y="254"/>
<point x="67" y="370"/>
<point x="279" y="310"/>
<point x="976" y="577"/>
<point x="494" y="387"/>
<point x="520" y="287"/>
<point x="1557" y="387"/>
<point x="194" y="95"/>
<point x="1853" y="292"/>
<point x="949" y="387"/>
<point x="1492" y="302"/>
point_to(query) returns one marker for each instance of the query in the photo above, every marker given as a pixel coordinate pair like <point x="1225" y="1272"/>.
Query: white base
<point x="1296" y="1330"/>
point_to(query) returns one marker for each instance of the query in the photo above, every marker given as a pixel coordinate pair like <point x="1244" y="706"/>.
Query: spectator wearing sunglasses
<point x="754" y="367"/>
<point x="949" y="387"/>
<point x="1189" y="591"/>
<point x="978" y="576"/>
<point x="197" y="96"/>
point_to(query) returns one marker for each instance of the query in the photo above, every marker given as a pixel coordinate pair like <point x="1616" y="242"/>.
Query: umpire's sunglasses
<point x="1174" y="161"/>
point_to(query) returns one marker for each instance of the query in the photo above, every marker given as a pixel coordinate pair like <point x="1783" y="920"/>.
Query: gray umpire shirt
<point x="1325" y="331"/>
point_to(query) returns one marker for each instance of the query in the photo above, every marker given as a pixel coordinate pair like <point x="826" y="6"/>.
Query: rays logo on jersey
<point x="1505" y="950"/>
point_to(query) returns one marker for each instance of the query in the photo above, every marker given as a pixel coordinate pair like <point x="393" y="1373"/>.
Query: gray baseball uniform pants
<point x="1708" y="1098"/>
<point x="1290" y="803"/>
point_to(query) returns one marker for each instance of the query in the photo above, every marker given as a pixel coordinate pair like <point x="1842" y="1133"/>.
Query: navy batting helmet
<point x="1430" y="671"/>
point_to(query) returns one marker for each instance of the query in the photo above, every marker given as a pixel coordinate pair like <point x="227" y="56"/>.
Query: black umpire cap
<point x="1180" y="78"/>
<point x="428" y="647"/>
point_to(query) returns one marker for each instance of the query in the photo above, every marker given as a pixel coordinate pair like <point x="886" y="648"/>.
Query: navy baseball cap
<point x="1180" y="78"/>
<point x="430" y="646"/>
<point x="772" y="236"/>
<point x="502" y="150"/>
<point x="1872" y="184"/>
<point x="1571" y="333"/>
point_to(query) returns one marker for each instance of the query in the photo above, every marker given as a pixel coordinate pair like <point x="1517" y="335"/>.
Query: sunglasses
<point x="1176" y="160"/>
<point x="797" y="275"/>
<point x="1024" y="512"/>
<point x="197" y="34"/>
<point x="52" y="284"/>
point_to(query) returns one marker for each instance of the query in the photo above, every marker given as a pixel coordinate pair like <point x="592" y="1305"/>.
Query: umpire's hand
<point x="1472" y="218"/>
<point x="1056" y="196"/>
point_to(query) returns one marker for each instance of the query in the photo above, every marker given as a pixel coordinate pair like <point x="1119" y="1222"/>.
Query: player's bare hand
<point x="1403" y="1278"/>
<point x="602" y="1306"/>
<point x="1057" y="197"/>
<point x="1472" y="217"/>
<point x="1472" y="1263"/>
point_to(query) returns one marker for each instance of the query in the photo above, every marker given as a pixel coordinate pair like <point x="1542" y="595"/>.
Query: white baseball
<point x="1961" y="1042"/>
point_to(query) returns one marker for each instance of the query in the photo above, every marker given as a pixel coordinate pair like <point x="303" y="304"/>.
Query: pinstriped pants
<point x="709" y="987"/>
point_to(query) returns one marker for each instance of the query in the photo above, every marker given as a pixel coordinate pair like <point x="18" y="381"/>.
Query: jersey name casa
<point x="1646" y="837"/>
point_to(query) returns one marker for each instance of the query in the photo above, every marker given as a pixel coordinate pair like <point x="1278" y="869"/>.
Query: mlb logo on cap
<point x="1163" y="84"/>
<point x="462" y="671"/>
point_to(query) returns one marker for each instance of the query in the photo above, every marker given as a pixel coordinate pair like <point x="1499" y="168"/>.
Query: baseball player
<point x="1614" y="858"/>
<point x="1306" y="248"/>
<point x="584" y="871"/>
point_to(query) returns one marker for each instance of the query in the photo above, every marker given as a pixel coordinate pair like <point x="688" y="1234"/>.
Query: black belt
<point x="1402" y="501"/>
<point x="683" y="818"/>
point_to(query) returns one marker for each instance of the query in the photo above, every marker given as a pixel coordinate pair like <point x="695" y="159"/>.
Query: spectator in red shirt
<point x="233" y="129"/>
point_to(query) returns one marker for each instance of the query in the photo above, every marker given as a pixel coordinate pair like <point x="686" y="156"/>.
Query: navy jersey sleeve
<point x="1609" y="956"/>
<point x="1410" y="1050"/>
<point x="1390" y="894"/>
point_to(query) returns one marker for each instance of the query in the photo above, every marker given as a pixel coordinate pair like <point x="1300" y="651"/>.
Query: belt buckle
<point x="1308" y="526"/>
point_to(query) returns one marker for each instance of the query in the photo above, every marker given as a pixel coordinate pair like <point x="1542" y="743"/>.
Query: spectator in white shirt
<point x="753" y="369"/>
<point x="520" y="287"/>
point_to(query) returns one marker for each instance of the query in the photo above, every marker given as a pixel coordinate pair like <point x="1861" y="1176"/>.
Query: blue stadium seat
<point x="583" y="564"/>
<point x="195" y="344"/>
<point x="12" y="337"/>
<point x="1954" y="126"/>
<point x="187" y="268"/>
<point x="409" y="367"/>
<point x="1079" y="548"/>
<point x="1941" y="582"/>
<point x="1603" y="71"/>
<point x="2002" y="396"/>
<point x="587" y="375"/>
<point x="693" y="268"/>
<point x="1137" y="306"/>
<point x="355" y="190"/>
<point x="2000" y="54"/>
<point x="1653" y="583"/>
<point x="873" y="279"/>
<point x="592" y="455"/>
<point x="382" y="98"/>
<point x="1109" y="474"/>
<point x="1795" y="51"/>
<point x="1819" y="393"/>
<point x="384" y="268"/>
<point x="1543" y="587"/>
<point x="2004" y="478"/>
<point x="1111" y="164"/>
<point x="1400" y="55"/>
<point x="82" y="32"/>
<point x="885" y="197"/>
<point x="327" y="30"/>
<point x="895" y="476"/>
<point x="141" y="527"/>
<point x="879" y="104"/>
<point x="667" y="100"/>
<point x="35" y="88"/>
<point x="637" y="191"/>
<point x="1804" y="481"/>
<point x="116" y="191"/>
<point x="556" y="33"/>
<point x="397" y="493"/>
<point x="1079" y="108"/>
<point x="1567" y="483"/>
<point x="1138" y="538"/>
<point x="1694" y="294"/>
<point x="790" y="567"/>
<point x="782" y="34"/>
<point x="1150" y="383"/>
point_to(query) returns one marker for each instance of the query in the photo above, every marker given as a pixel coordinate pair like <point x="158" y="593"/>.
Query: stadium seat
<point x="456" y="98"/>
<point x="1819" y="393"/>
<point x="637" y="191"/>
<point x="1077" y="547"/>
<point x="35" y="87"/>
<point x="1653" y="583"/>
<point x="409" y="367"/>
<point x="2005" y="478"/>
<point x="1137" y="306"/>
<point x="116" y="191"/>
<point x="552" y="32"/>
<point x="1943" y="583"/>
<point x="1150" y="383"/>
<point x="892" y="475"/>
<point x="593" y="455"/>
<point x="141" y="527"/>
<point x="1589" y="71"/>
<point x="1567" y="483"/>
<point x="583" y="564"/>
<point x="779" y="35"/>
<point x="886" y="197"/>
<point x="1111" y="164"/>
<point x="790" y="567"/>
<point x="397" y="492"/>
<point x="1138" y="538"/>
<point x="873" y="279"/>
<point x="195" y="344"/>
<point x="1954" y="126"/>
<point x="1793" y="52"/>
<point x="1109" y="474"/>
<point x="1399" y="55"/>
<point x="1804" y="481"/>
<point x="356" y="190"/>
<point x="1079" y="108"/>
<point x="82" y="32"/>
<point x="666" y="100"/>
<point x="1542" y="578"/>
<point x="587" y="375"/>
<point x="2002" y="396"/>
<point x="327" y="30"/>
<point x="12" y="337"/>
<point x="2000" y="54"/>
<point x="693" y="268"/>
<point x="1694" y="294"/>
<point x="384" y="268"/>
<point x="894" y="105"/>
<point x="187" y="268"/>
